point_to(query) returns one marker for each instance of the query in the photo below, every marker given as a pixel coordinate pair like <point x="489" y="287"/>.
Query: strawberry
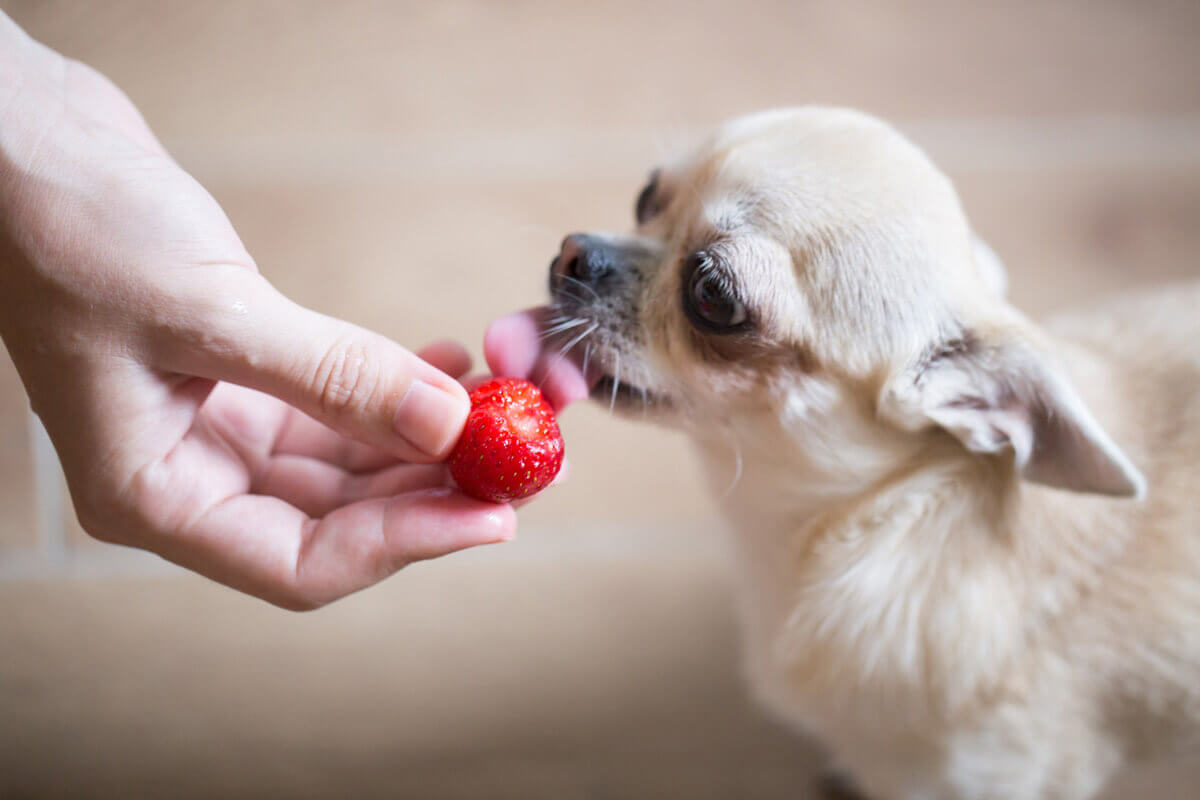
<point x="510" y="446"/>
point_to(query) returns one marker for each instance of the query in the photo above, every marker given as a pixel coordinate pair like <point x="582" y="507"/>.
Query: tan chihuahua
<point x="968" y="546"/>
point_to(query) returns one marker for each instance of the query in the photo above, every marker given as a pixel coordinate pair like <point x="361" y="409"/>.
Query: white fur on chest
<point x="881" y="616"/>
<point x="907" y="628"/>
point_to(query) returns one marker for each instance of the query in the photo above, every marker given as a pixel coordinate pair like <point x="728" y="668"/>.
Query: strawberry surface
<point x="510" y="447"/>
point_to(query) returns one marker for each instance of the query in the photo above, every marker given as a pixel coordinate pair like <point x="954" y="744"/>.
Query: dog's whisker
<point x="563" y="327"/>
<point x="738" y="464"/>
<point x="546" y="334"/>
<point x="566" y="348"/>
<point x="566" y="320"/>
<point x="612" y="403"/>
<point x="587" y="356"/>
<point x="580" y="283"/>
<point x="578" y="298"/>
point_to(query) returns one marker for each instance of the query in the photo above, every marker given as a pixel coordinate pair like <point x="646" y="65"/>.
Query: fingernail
<point x="429" y="418"/>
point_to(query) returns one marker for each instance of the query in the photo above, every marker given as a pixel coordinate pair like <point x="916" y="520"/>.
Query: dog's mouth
<point x="612" y="387"/>
<point x="579" y="338"/>
<point x="583" y="323"/>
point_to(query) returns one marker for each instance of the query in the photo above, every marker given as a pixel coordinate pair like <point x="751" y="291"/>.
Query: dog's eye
<point x="647" y="202"/>
<point x="709" y="297"/>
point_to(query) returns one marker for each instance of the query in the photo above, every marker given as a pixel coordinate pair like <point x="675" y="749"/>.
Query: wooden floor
<point x="412" y="166"/>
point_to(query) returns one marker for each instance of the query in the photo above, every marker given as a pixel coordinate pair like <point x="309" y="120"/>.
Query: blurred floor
<point x="595" y="668"/>
<point x="412" y="167"/>
<point x="590" y="670"/>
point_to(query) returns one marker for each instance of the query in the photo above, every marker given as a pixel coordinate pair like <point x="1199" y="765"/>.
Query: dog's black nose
<point x="585" y="258"/>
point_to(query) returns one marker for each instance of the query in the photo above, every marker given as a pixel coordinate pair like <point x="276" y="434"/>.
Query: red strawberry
<point x="511" y="446"/>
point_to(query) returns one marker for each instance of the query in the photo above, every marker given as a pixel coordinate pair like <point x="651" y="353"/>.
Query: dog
<point x="967" y="546"/>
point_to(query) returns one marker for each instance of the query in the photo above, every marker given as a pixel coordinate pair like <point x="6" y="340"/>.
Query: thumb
<point x="360" y="383"/>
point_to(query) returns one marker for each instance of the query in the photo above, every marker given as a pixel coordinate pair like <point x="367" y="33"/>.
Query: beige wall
<point x="412" y="166"/>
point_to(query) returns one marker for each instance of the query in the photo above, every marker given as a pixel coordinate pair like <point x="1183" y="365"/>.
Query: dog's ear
<point x="1002" y="394"/>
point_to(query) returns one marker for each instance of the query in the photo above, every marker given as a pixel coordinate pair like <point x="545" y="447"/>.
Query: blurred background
<point x="412" y="166"/>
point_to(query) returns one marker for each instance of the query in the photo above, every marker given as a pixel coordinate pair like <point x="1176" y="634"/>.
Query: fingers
<point x="300" y="563"/>
<point x="359" y="383"/>
<point x="304" y="436"/>
<point x="513" y="346"/>
<point x="259" y="426"/>
<point x="318" y="487"/>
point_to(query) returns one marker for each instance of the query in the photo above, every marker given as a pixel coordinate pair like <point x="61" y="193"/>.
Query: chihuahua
<point x="967" y="546"/>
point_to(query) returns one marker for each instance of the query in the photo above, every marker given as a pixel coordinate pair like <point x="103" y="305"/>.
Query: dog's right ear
<point x="999" y="392"/>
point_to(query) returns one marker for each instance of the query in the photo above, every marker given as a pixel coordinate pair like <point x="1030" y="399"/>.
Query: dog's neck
<point x="789" y="462"/>
<point x="816" y="458"/>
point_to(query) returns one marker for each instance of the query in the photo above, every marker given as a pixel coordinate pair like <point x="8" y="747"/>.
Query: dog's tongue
<point x="514" y="347"/>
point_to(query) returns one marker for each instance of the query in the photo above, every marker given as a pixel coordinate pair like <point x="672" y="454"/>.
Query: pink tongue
<point x="513" y="348"/>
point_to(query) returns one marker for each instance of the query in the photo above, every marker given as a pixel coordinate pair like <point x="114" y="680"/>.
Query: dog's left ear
<point x="1003" y="395"/>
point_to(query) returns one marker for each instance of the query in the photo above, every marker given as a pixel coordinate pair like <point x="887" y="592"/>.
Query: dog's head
<point x="812" y="267"/>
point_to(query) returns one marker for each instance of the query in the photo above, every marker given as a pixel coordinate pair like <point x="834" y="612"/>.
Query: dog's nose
<point x="584" y="258"/>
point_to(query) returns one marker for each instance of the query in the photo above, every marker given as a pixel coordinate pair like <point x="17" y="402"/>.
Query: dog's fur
<point x="968" y="546"/>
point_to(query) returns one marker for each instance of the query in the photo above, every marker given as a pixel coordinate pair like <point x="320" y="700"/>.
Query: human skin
<point x="198" y="413"/>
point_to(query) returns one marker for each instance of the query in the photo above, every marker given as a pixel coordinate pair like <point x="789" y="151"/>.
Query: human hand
<point x="181" y="390"/>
